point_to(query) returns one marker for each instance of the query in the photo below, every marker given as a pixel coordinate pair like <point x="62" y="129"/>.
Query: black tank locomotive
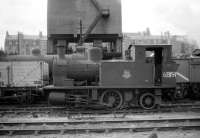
<point x="113" y="83"/>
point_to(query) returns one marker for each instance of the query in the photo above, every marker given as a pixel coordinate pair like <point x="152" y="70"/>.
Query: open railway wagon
<point x="188" y="78"/>
<point x="113" y="83"/>
<point x="20" y="80"/>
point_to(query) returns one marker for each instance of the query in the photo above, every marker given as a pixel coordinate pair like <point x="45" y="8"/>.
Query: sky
<point x="180" y="17"/>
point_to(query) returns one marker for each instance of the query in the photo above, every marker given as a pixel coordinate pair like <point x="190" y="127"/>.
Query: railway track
<point x="36" y="110"/>
<point x="97" y="126"/>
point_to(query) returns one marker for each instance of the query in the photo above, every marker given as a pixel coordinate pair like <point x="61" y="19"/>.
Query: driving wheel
<point x="147" y="101"/>
<point x="112" y="99"/>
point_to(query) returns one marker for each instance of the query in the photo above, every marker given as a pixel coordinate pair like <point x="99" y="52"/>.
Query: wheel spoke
<point x="147" y="101"/>
<point x="112" y="98"/>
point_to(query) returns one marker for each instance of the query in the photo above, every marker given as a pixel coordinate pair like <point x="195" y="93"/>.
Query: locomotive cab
<point x="164" y="70"/>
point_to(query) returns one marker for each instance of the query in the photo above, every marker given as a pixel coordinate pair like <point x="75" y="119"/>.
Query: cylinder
<point x="56" y="98"/>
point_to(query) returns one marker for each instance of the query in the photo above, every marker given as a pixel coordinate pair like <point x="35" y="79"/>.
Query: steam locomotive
<point x="84" y="79"/>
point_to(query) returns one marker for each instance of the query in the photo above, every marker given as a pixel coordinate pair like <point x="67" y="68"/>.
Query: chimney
<point x="20" y="35"/>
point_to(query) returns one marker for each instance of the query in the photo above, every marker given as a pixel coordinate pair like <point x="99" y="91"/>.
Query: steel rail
<point x="104" y="126"/>
<point x="46" y="107"/>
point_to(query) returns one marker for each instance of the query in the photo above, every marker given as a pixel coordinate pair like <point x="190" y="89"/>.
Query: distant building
<point x="181" y="45"/>
<point x="21" y="44"/>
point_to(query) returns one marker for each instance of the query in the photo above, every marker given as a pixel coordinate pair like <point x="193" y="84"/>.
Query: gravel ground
<point x="170" y="134"/>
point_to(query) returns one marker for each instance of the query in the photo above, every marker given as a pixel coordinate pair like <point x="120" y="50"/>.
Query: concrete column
<point x="118" y="45"/>
<point x="61" y="46"/>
